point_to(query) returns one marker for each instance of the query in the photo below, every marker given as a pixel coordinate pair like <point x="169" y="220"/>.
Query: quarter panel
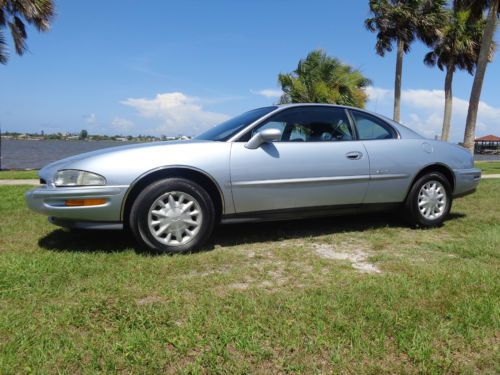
<point x="393" y="165"/>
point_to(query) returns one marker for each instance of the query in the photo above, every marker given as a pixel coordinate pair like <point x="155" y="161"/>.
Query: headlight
<point x="73" y="177"/>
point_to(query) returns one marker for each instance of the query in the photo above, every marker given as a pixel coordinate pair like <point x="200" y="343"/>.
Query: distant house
<point x="489" y="144"/>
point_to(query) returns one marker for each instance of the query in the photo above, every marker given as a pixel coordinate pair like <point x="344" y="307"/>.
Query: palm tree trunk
<point x="482" y="62"/>
<point x="448" y="100"/>
<point x="397" y="81"/>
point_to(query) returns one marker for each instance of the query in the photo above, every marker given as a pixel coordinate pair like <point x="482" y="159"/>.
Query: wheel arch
<point x="191" y="173"/>
<point x="435" y="167"/>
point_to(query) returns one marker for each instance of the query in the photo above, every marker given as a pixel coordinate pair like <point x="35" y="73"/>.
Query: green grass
<point x="258" y="300"/>
<point x="18" y="175"/>
<point x="489" y="167"/>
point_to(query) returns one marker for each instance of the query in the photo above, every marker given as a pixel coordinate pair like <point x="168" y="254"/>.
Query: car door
<point x="392" y="160"/>
<point x="317" y="162"/>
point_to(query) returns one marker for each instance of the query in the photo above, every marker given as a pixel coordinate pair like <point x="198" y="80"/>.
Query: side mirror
<point x="264" y="136"/>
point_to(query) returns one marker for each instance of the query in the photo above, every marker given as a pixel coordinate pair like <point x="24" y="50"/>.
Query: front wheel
<point x="173" y="215"/>
<point x="429" y="201"/>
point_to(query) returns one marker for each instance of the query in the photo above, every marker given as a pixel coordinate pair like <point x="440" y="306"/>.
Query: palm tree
<point x="323" y="79"/>
<point x="457" y="48"/>
<point x="14" y="14"/>
<point x="400" y="22"/>
<point x="478" y="6"/>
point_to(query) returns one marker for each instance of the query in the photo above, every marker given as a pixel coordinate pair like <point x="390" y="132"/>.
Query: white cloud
<point x="177" y="112"/>
<point x="268" y="93"/>
<point x="90" y="118"/>
<point x="122" y="125"/>
<point x="378" y="93"/>
<point x="422" y="110"/>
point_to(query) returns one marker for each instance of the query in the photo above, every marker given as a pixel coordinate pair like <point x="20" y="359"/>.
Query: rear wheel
<point x="429" y="201"/>
<point x="173" y="215"/>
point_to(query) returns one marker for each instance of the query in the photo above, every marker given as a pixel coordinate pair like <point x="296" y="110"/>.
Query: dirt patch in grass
<point x="357" y="257"/>
<point x="148" y="300"/>
<point x="239" y="286"/>
<point x="272" y="280"/>
<point x="265" y="271"/>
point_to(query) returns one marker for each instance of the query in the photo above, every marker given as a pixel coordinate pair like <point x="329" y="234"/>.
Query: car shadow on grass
<point x="234" y="234"/>
<point x="106" y="241"/>
<point x="88" y="241"/>
<point x="275" y="231"/>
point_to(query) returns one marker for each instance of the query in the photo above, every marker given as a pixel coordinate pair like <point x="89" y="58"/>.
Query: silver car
<point x="268" y="163"/>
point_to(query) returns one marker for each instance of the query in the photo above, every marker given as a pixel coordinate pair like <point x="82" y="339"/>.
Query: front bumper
<point x="466" y="181"/>
<point x="49" y="201"/>
<point x="91" y="225"/>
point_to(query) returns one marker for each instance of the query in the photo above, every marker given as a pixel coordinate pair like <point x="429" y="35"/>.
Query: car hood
<point x="78" y="161"/>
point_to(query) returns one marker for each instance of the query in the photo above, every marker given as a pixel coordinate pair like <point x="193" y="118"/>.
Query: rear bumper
<point x="50" y="201"/>
<point x="466" y="181"/>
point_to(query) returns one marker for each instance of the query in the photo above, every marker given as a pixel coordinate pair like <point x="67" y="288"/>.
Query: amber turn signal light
<point x="84" y="202"/>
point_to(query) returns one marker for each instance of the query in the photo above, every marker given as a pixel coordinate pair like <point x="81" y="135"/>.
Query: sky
<point x="167" y="67"/>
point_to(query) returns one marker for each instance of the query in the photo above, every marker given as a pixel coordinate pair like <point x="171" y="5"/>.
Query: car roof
<point x="290" y="105"/>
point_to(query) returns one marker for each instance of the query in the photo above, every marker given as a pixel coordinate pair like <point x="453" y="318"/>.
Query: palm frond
<point x="320" y="78"/>
<point x="3" y="49"/>
<point x="458" y="46"/>
<point x="14" y="14"/>
<point x="404" y="21"/>
<point x="2" y="15"/>
<point x="18" y="32"/>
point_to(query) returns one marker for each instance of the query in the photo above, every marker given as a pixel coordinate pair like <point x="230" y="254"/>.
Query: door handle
<point x="354" y="155"/>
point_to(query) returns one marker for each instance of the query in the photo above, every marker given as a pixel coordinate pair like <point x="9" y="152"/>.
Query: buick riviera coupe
<point x="274" y="162"/>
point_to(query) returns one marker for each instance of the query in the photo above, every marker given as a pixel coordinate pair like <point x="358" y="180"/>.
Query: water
<point x="35" y="154"/>
<point x="18" y="154"/>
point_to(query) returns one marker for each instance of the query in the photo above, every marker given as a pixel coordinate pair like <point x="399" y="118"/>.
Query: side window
<point x="310" y="124"/>
<point x="370" y="127"/>
<point x="298" y="134"/>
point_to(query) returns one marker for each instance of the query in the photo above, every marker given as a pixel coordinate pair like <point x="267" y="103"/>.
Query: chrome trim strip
<point x="394" y="176"/>
<point x="467" y="172"/>
<point x="291" y="181"/>
<point x="101" y="191"/>
<point x="340" y="179"/>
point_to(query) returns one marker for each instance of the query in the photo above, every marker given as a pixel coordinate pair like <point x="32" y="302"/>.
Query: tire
<point x="435" y="189"/>
<point x="172" y="215"/>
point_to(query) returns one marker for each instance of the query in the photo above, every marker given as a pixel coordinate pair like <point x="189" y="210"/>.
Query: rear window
<point x="370" y="127"/>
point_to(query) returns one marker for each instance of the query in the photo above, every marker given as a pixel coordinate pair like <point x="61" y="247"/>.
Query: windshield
<point x="227" y="129"/>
